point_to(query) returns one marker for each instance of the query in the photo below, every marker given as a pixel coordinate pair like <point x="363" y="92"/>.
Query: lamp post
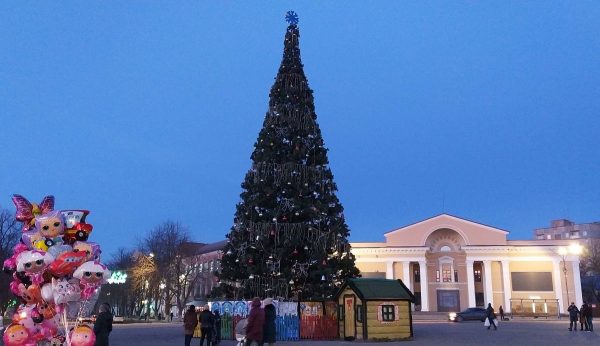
<point x="573" y="249"/>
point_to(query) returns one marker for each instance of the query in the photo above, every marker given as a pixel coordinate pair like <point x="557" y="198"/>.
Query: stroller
<point x="240" y="332"/>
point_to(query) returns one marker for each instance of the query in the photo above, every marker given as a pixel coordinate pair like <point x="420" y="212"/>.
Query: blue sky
<point x="148" y="111"/>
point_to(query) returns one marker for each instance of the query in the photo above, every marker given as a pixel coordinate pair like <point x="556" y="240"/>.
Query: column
<point x="406" y="275"/>
<point x="470" y="283"/>
<point x="424" y="286"/>
<point x="577" y="283"/>
<point x="489" y="296"/>
<point x="558" y="284"/>
<point x="389" y="273"/>
<point x="506" y="286"/>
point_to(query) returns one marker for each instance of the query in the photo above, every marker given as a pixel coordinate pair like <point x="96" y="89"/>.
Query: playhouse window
<point x="359" y="314"/>
<point x="387" y="313"/>
<point x="340" y="312"/>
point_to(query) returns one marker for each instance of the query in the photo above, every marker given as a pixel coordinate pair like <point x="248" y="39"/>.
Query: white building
<point x="450" y="264"/>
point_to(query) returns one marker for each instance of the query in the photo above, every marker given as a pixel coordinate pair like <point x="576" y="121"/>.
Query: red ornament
<point x="251" y="261"/>
<point x="295" y="252"/>
<point x="324" y="262"/>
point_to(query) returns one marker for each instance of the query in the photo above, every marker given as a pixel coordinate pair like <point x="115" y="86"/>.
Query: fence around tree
<point x="291" y="325"/>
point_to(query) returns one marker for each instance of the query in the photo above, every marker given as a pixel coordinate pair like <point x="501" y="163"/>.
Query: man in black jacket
<point x="207" y="321"/>
<point x="103" y="325"/>
<point x="573" y="312"/>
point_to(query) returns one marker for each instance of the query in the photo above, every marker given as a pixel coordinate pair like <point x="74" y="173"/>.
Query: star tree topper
<point x="291" y="17"/>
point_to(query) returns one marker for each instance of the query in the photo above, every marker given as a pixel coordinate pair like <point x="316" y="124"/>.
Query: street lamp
<point x="574" y="249"/>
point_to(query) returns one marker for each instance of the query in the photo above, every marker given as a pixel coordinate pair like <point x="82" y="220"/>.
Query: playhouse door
<point x="349" y="317"/>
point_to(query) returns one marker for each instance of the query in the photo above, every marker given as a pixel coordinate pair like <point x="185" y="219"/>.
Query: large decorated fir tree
<point x="289" y="238"/>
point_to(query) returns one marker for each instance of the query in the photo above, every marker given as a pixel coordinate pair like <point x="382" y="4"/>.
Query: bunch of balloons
<point x="56" y="273"/>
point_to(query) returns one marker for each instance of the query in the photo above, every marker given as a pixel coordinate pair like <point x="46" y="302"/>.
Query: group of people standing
<point x="260" y="329"/>
<point x="210" y="325"/>
<point x="584" y="315"/>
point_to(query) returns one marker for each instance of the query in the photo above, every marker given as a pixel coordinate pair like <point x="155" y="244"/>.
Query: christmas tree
<point x="289" y="238"/>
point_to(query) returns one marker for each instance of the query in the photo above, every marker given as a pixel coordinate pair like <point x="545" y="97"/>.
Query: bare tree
<point x="161" y="266"/>
<point x="10" y="231"/>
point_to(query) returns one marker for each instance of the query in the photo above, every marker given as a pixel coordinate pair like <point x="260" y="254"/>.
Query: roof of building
<point x="373" y="289"/>
<point x="207" y="248"/>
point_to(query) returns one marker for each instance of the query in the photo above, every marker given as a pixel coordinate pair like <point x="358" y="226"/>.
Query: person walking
<point x="190" y="321"/>
<point x="583" y="317"/>
<point x="501" y="312"/>
<point x="207" y="324"/>
<point x="269" y="327"/>
<point x="103" y="325"/>
<point x="589" y="315"/>
<point x="217" y="331"/>
<point x="491" y="316"/>
<point x="573" y="312"/>
<point x="256" y="321"/>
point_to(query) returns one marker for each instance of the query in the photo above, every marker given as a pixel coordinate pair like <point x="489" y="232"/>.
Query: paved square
<point x="513" y="333"/>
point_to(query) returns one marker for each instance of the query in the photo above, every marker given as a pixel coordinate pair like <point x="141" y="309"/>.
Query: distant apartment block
<point x="567" y="229"/>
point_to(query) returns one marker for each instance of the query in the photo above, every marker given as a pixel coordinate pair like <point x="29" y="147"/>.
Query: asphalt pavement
<point x="513" y="333"/>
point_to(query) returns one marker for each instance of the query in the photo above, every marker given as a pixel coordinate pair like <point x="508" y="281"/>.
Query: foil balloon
<point x="10" y="264"/>
<point x="17" y="335"/>
<point x="46" y="309"/>
<point x="33" y="263"/>
<point x="91" y="249"/>
<point x="58" y="340"/>
<point x="27" y="211"/>
<point x="83" y="335"/>
<point x="57" y="250"/>
<point x="62" y="291"/>
<point x="51" y="226"/>
<point x="31" y="295"/>
<point x="76" y="229"/>
<point x="91" y="275"/>
<point x="66" y="263"/>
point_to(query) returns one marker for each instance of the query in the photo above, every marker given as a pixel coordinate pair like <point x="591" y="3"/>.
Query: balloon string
<point x="66" y="324"/>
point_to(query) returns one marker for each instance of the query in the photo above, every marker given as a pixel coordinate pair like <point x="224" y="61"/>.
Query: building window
<point x="340" y="312"/>
<point x="477" y="275"/>
<point x="359" y="314"/>
<point x="445" y="248"/>
<point x="417" y="275"/>
<point x="446" y="274"/>
<point x="437" y="275"/>
<point x="387" y="313"/>
<point x="456" y="276"/>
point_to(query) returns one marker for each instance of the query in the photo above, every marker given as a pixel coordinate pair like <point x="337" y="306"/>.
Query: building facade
<point x="567" y="229"/>
<point x="450" y="264"/>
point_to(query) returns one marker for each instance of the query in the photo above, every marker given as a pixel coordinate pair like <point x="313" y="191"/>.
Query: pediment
<point x="472" y="233"/>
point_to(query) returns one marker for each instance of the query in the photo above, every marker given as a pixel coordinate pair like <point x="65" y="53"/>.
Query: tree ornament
<point x="295" y="252"/>
<point x="251" y="261"/>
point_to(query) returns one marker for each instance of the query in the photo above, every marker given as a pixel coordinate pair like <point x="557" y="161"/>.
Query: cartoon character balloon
<point x="51" y="227"/>
<point x="83" y="335"/>
<point x="66" y="263"/>
<point x="91" y="275"/>
<point x="17" y="335"/>
<point x="91" y="249"/>
<point x="33" y="263"/>
<point x="62" y="291"/>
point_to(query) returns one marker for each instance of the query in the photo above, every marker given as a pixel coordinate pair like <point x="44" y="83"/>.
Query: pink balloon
<point x="83" y="335"/>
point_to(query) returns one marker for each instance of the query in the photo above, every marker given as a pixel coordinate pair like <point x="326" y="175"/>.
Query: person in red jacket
<point x="256" y="321"/>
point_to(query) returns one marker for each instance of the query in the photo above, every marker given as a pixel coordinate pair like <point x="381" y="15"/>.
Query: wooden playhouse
<point x="374" y="309"/>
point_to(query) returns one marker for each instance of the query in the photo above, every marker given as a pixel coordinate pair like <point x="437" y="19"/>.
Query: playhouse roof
<point x="372" y="289"/>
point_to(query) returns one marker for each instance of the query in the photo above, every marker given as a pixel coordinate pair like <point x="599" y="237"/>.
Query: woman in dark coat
<point x="256" y="321"/>
<point x="269" y="328"/>
<point x="190" y="321"/>
<point x="103" y="325"/>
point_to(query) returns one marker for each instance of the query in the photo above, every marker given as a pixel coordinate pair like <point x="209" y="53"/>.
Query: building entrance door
<point x="448" y="300"/>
